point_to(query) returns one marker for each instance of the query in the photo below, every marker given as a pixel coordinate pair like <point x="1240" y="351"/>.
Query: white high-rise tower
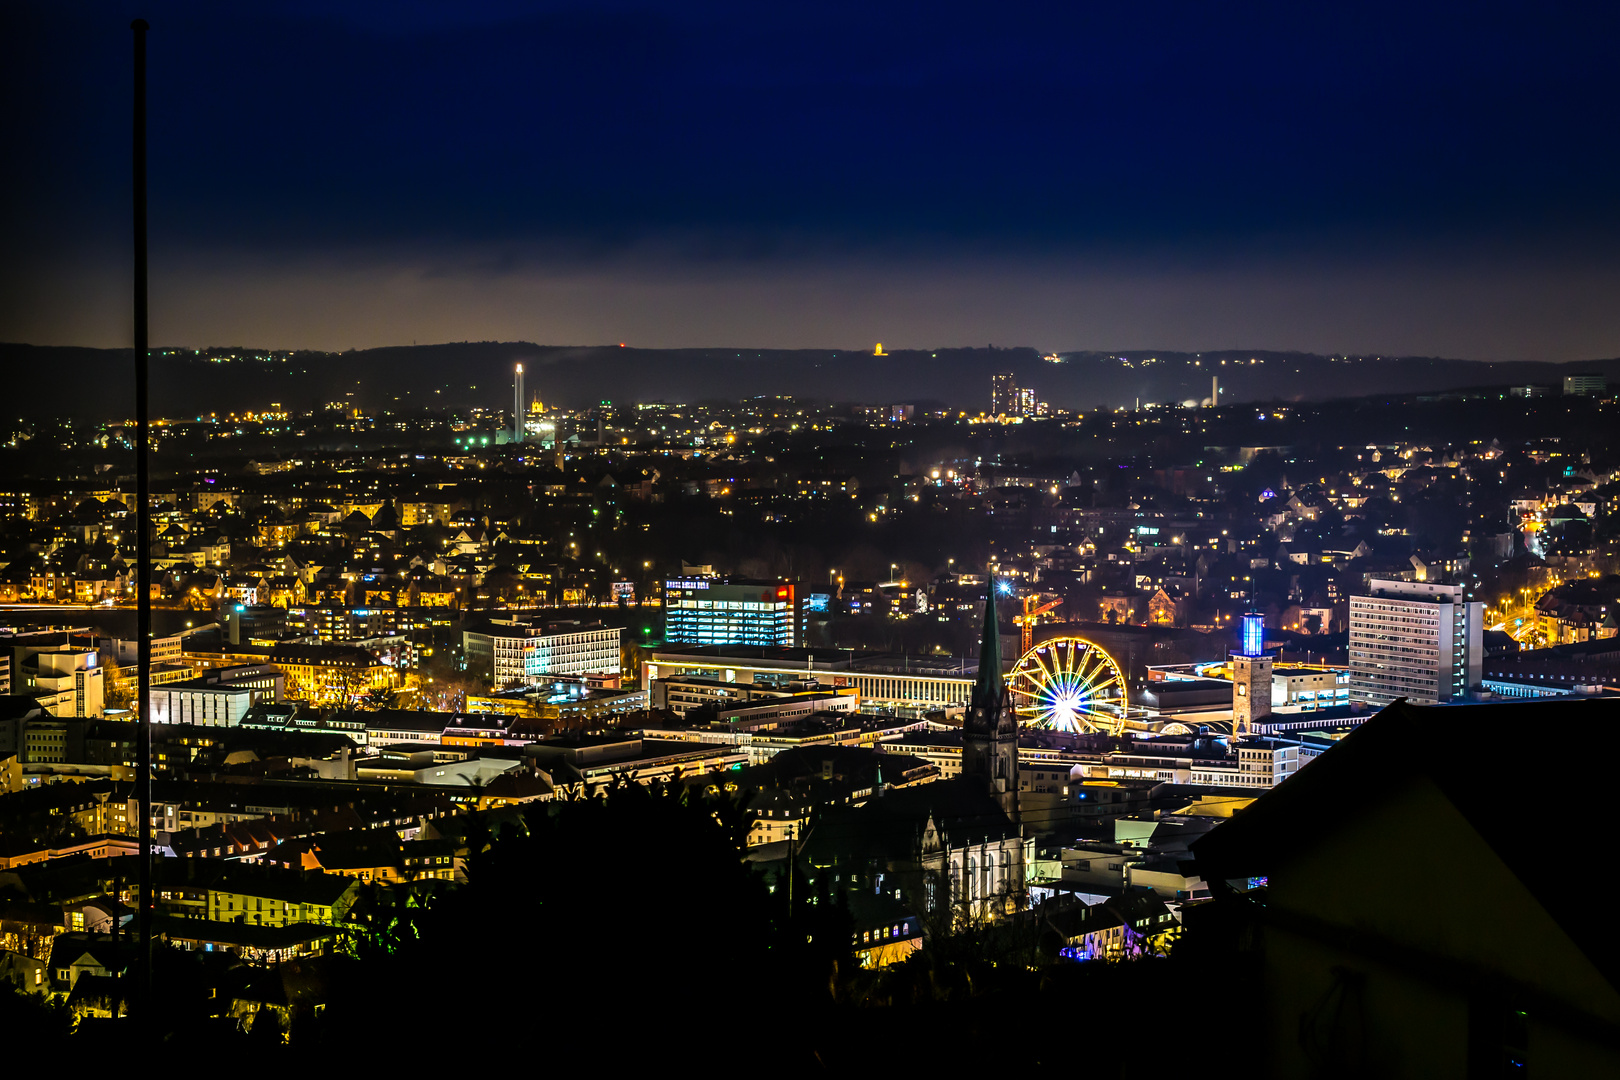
<point x="517" y="405"/>
<point x="1418" y="640"/>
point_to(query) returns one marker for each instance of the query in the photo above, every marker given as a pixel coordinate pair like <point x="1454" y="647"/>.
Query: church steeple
<point x="990" y="688"/>
<point x="990" y="729"/>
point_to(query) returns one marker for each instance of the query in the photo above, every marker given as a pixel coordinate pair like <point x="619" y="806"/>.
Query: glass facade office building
<point x="701" y="611"/>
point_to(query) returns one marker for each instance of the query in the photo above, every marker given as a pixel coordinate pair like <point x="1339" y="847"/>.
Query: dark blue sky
<point x="1372" y="178"/>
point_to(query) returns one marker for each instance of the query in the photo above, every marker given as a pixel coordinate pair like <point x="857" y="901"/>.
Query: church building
<point x="954" y="848"/>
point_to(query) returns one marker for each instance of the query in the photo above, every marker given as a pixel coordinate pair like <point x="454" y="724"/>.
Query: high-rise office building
<point x="511" y="652"/>
<point x="1585" y="384"/>
<point x="707" y="611"/>
<point x="1007" y="398"/>
<point x="1003" y="395"/>
<point x="1416" y="640"/>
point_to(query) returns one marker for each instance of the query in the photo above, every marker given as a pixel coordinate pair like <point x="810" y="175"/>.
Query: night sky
<point x="1404" y="178"/>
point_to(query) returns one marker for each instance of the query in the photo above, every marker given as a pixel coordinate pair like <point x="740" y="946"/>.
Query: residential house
<point x="280" y="897"/>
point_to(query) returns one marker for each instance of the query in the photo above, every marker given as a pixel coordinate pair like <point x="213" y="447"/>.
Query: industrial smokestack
<point x="517" y="405"/>
<point x="1214" y="390"/>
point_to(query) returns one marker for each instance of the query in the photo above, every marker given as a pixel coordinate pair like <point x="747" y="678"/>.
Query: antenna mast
<point x="142" y="995"/>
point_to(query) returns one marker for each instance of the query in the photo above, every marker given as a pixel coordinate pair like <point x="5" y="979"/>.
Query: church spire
<point x="990" y="728"/>
<point x="989" y="690"/>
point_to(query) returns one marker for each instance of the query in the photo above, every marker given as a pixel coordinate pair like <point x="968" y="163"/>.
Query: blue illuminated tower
<point x="1251" y="675"/>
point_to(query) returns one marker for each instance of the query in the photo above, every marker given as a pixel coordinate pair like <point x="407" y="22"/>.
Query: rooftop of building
<point x="1329" y="718"/>
<point x="763" y="656"/>
<point x="1419" y="591"/>
<point x="210" y="684"/>
<point x="240" y="935"/>
<point x="535" y="626"/>
<point x="323" y="654"/>
<point x="404" y="719"/>
<point x="807" y="727"/>
<point x="597" y="751"/>
<point x="1374" y="763"/>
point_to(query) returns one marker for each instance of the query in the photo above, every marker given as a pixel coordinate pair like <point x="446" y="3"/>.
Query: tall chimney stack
<point x="517" y="405"/>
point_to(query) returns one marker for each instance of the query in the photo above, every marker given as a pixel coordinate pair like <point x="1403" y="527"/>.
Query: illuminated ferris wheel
<point x="1069" y="684"/>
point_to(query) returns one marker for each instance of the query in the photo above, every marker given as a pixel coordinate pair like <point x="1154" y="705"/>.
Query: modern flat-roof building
<point x="1294" y="687"/>
<point x="682" y="694"/>
<point x="221" y="697"/>
<point x="1304" y="686"/>
<point x="707" y="611"/>
<point x="510" y="652"/>
<point x="125" y="652"/>
<point x="1585" y="384"/>
<point x="60" y="668"/>
<point x="1416" y="640"/>
<point x="333" y="623"/>
<point x="885" y="682"/>
<point x="575" y="762"/>
<point x="66" y="680"/>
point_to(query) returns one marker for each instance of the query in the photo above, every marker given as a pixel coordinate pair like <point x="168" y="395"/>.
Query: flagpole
<point x="142" y="995"/>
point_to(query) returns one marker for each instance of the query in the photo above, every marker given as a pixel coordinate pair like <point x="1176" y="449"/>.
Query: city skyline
<point x="899" y="701"/>
<point x="1389" y="181"/>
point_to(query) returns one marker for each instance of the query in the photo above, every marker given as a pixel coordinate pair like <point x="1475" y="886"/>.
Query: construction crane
<point x="1031" y="612"/>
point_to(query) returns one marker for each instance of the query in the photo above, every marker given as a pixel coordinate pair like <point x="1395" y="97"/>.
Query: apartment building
<point x="1421" y="641"/>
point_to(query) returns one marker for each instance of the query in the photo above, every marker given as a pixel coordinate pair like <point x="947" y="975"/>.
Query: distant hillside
<point x="98" y="382"/>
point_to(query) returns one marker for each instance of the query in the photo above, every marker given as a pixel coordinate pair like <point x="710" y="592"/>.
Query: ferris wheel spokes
<point x="1070" y="684"/>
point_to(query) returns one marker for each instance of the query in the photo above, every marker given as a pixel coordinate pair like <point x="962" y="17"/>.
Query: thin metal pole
<point x="142" y="996"/>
